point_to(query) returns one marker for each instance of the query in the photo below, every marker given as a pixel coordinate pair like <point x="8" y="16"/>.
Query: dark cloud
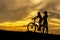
<point x="13" y="10"/>
<point x="54" y="9"/>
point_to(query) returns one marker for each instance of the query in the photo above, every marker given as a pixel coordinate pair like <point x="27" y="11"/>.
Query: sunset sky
<point x="18" y="13"/>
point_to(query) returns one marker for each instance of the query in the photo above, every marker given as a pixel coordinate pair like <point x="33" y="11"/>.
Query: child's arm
<point x="35" y="17"/>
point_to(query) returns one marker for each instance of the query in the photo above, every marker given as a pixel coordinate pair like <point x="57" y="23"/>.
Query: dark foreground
<point x="29" y="35"/>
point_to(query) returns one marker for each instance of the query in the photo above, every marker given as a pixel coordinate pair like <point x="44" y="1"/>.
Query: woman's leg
<point x="47" y="27"/>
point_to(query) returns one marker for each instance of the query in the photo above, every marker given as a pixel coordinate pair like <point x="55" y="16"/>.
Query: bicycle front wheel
<point x="31" y="27"/>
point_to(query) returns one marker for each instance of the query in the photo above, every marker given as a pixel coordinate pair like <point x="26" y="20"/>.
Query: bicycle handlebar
<point x="33" y="18"/>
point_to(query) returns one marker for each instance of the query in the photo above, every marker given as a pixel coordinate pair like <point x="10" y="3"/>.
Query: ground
<point x="29" y="35"/>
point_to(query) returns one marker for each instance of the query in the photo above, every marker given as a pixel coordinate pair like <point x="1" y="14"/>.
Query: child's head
<point x="38" y="13"/>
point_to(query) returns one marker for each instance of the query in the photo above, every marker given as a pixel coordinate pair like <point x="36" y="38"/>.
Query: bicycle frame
<point x="35" y="22"/>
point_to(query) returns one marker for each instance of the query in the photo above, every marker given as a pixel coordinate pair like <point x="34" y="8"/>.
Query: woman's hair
<point x="45" y="12"/>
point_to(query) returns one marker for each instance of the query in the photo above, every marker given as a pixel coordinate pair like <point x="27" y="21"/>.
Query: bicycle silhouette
<point x="33" y="26"/>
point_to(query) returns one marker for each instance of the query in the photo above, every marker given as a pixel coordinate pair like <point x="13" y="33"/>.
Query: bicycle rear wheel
<point x="31" y="27"/>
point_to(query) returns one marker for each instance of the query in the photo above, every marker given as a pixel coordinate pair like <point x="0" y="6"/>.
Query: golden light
<point x="54" y="24"/>
<point x="31" y="14"/>
<point x="36" y="1"/>
<point x="56" y="20"/>
<point x="16" y="23"/>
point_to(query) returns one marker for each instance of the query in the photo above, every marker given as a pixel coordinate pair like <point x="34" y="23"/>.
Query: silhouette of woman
<point x="45" y="23"/>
